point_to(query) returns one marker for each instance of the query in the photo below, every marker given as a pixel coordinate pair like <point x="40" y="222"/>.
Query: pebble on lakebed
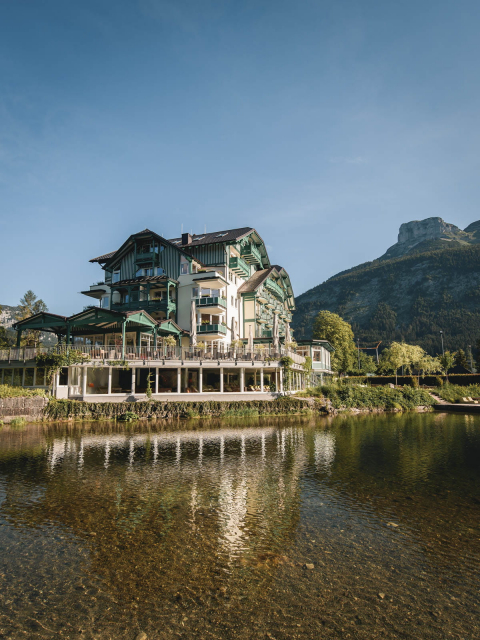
<point x="308" y="565"/>
<point x="141" y="636"/>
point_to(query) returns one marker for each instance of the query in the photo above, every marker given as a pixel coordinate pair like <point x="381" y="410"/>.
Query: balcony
<point x="212" y="279"/>
<point x="145" y="257"/>
<point x="275" y="289"/>
<point x="145" y="305"/>
<point x="239" y="266"/>
<point x="251" y="254"/>
<point x="213" y="304"/>
<point x="219" y="329"/>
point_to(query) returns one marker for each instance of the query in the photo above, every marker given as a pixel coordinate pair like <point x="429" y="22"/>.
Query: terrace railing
<point x="112" y="353"/>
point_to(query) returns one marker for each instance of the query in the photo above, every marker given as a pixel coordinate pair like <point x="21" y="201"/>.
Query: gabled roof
<point x="256" y="280"/>
<point x="106" y="257"/>
<point x="229" y="235"/>
<point x="39" y="319"/>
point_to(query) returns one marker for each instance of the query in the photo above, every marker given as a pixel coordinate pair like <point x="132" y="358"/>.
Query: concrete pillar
<point x="84" y="382"/>
<point x="133" y="380"/>
<point x="179" y="379"/>
<point x="109" y="389"/>
<point x="156" y="379"/>
<point x="221" y="379"/>
<point x="200" y="380"/>
<point x="242" y="380"/>
<point x="280" y="373"/>
<point x="261" y="379"/>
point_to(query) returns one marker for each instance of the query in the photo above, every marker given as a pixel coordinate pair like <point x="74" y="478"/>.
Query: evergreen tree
<point x="30" y="305"/>
<point x="461" y="359"/>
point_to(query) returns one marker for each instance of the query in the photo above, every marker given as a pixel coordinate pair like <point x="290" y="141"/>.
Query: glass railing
<point x="112" y="353"/>
<point x="211" y="301"/>
<point x="212" y="328"/>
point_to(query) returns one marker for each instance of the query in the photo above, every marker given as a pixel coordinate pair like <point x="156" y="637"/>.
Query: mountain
<point x="427" y="282"/>
<point x="8" y="315"/>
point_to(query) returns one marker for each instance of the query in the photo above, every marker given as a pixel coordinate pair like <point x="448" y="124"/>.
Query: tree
<point x="367" y="364"/>
<point x="427" y="364"/>
<point x="330" y="326"/>
<point x="461" y="359"/>
<point x="30" y="305"/>
<point x="447" y="360"/>
<point x="400" y="354"/>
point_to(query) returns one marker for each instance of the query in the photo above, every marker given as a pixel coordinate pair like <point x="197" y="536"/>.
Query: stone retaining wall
<point x="22" y="408"/>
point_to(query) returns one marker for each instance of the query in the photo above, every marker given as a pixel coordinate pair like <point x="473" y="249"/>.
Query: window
<point x="236" y="303"/>
<point x="105" y="301"/>
<point x="194" y="267"/>
<point x="159" y="271"/>
<point x="232" y="301"/>
<point x="200" y="238"/>
<point x="184" y="269"/>
<point x="220" y="235"/>
<point x="195" y="292"/>
<point x="116" y="276"/>
<point x="144" y="272"/>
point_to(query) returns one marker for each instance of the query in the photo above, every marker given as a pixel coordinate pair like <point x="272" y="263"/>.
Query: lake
<point x="346" y="527"/>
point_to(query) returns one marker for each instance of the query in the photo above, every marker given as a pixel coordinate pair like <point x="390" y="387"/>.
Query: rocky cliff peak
<point x="424" y="235"/>
<point x="429" y="229"/>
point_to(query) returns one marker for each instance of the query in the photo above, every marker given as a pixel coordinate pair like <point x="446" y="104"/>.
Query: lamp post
<point x="471" y="357"/>
<point x="441" y="336"/>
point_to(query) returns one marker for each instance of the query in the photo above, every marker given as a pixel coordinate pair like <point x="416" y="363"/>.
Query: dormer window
<point x="220" y="235"/>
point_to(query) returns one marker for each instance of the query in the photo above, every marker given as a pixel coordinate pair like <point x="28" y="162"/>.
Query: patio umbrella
<point x="250" y="338"/>
<point x="193" y="324"/>
<point x="288" y="335"/>
<point x="275" y="332"/>
<point x="234" y="329"/>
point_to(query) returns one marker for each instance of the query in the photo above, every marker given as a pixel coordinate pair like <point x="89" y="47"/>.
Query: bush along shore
<point x="342" y="395"/>
<point x="326" y="399"/>
<point x="73" y="409"/>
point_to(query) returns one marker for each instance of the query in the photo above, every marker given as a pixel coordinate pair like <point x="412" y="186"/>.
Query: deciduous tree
<point x="330" y="326"/>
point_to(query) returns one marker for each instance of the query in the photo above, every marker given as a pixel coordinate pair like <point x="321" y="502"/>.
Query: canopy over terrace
<point x="99" y="321"/>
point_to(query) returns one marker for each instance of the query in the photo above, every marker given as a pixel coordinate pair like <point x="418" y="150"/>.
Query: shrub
<point x="344" y="394"/>
<point x="455" y="393"/>
<point x="6" y="391"/>
<point x="18" y="423"/>
<point x="128" y="416"/>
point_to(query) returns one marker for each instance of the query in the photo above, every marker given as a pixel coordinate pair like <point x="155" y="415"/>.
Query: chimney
<point x="186" y="238"/>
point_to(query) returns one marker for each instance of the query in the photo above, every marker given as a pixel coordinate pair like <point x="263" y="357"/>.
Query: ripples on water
<point x="205" y="532"/>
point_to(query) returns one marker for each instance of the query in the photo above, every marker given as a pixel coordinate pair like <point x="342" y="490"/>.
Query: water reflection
<point x="205" y="533"/>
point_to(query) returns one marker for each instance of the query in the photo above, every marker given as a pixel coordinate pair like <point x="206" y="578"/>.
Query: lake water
<point x="205" y="529"/>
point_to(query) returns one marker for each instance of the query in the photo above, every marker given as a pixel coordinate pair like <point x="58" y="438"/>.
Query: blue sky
<point x="324" y="125"/>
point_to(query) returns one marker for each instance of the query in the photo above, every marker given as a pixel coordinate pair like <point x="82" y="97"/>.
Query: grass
<point x="455" y="393"/>
<point x="345" y="395"/>
<point x="17" y="423"/>
<point x="6" y="391"/>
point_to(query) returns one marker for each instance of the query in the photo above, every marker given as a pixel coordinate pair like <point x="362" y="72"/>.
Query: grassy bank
<point x="455" y="393"/>
<point x="72" y="409"/>
<point x="345" y="395"/>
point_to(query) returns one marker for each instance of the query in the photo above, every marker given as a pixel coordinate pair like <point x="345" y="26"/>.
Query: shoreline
<point x="76" y="411"/>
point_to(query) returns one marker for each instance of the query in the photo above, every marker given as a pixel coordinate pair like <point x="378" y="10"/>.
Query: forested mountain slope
<point x="429" y="281"/>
